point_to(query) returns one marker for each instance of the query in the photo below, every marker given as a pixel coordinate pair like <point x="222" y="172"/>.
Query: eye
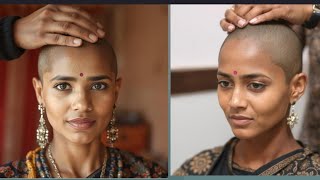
<point x="224" y="84"/>
<point x="99" y="86"/>
<point x="62" y="86"/>
<point x="256" y="86"/>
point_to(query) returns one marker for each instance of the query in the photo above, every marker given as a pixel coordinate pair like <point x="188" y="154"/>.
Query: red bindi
<point x="81" y="74"/>
<point x="235" y="72"/>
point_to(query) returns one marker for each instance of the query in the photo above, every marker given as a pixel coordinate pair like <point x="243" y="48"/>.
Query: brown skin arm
<point x="51" y="24"/>
<point x="241" y="15"/>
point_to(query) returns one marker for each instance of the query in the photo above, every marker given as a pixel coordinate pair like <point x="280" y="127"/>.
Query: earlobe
<point x="37" y="86"/>
<point x="298" y="86"/>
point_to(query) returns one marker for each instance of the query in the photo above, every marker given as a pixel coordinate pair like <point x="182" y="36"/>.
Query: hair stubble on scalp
<point x="277" y="39"/>
<point x="47" y="54"/>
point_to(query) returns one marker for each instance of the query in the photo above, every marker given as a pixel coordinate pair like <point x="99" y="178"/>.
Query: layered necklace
<point x="56" y="170"/>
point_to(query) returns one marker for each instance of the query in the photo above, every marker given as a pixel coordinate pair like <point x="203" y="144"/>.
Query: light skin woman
<point x="79" y="90"/>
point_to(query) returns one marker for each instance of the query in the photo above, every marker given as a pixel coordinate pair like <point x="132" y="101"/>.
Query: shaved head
<point x="102" y="48"/>
<point x="278" y="40"/>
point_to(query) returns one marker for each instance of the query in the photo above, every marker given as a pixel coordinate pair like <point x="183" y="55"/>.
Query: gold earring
<point x="42" y="131"/>
<point x="293" y="117"/>
<point x="112" y="130"/>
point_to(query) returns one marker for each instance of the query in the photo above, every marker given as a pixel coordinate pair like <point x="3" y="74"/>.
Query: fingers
<point x="268" y="16"/>
<point x="233" y="18"/>
<point x="242" y="10"/>
<point x="257" y="10"/>
<point x="58" y="39"/>
<point x="73" y="21"/>
<point x="80" y="21"/>
<point x="80" y="11"/>
<point x="72" y="30"/>
<point x="226" y="26"/>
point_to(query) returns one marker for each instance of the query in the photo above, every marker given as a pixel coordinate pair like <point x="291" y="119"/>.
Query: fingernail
<point x="252" y="21"/>
<point x="77" y="41"/>
<point x="93" y="37"/>
<point x="100" y="26"/>
<point x="230" y="28"/>
<point x="101" y="32"/>
<point x="241" y="22"/>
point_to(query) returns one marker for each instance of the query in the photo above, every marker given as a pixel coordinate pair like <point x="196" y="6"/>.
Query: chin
<point x="243" y="134"/>
<point x="82" y="138"/>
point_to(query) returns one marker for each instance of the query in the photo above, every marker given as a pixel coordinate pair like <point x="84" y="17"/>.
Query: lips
<point x="81" y="123"/>
<point x="240" y="120"/>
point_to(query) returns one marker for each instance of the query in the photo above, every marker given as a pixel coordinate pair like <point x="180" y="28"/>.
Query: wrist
<point x="16" y="37"/>
<point x="314" y="18"/>
<point x="308" y="11"/>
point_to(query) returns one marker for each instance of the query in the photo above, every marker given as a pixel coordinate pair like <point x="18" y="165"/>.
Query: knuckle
<point x="56" y="38"/>
<point x="82" y="31"/>
<point x="221" y="22"/>
<point x="47" y="12"/>
<point x="39" y="35"/>
<point x="227" y="13"/>
<point x="65" y="25"/>
<point x="74" y="15"/>
<point x="66" y="40"/>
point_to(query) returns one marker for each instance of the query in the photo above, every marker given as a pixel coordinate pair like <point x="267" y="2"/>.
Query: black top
<point x="8" y="49"/>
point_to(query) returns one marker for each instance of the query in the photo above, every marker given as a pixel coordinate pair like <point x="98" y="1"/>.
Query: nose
<point x="238" y="99"/>
<point x="82" y="101"/>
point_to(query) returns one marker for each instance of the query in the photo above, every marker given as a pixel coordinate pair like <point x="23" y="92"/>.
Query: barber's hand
<point x="241" y="15"/>
<point x="56" y="24"/>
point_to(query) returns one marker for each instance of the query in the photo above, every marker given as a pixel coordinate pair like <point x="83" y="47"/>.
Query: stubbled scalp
<point x="47" y="55"/>
<point x="276" y="38"/>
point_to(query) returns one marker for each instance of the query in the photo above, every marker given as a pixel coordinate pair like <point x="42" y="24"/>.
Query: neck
<point x="258" y="151"/>
<point x="76" y="160"/>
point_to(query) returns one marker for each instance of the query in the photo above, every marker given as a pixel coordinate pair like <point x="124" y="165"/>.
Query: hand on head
<point x="241" y="15"/>
<point x="56" y="25"/>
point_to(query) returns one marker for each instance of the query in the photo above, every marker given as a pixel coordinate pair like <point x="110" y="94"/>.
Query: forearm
<point x="8" y="48"/>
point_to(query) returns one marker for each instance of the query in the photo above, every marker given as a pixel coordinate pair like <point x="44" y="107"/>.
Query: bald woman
<point x="77" y="90"/>
<point x="260" y="80"/>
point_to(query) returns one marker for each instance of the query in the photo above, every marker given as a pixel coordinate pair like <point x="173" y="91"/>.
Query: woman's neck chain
<point x="56" y="170"/>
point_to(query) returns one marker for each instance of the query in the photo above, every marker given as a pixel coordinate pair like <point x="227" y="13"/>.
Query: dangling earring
<point x="42" y="131"/>
<point x="112" y="130"/>
<point x="293" y="117"/>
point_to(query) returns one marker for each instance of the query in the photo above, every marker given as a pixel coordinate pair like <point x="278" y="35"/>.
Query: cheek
<point x="103" y="104"/>
<point x="272" y="105"/>
<point x="56" y="107"/>
<point x="223" y="98"/>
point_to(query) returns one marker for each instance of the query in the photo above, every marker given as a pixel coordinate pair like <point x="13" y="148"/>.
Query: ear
<point x="37" y="86"/>
<point x="298" y="85"/>
<point x="117" y="88"/>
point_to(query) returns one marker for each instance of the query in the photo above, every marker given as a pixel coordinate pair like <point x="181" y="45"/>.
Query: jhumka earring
<point x="293" y="117"/>
<point x="42" y="131"/>
<point x="112" y="130"/>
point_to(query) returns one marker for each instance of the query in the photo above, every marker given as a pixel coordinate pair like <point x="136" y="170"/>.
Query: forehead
<point x="247" y="56"/>
<point x="72" y="61"/>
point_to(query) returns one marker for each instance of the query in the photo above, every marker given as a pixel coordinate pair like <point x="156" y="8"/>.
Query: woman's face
<point x="252" y="91"/>
<point x="78" y="93"/>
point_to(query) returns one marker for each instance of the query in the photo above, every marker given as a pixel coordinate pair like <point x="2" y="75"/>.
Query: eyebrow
<point x="71" y="78"/>
<point x="245" y="76"/>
